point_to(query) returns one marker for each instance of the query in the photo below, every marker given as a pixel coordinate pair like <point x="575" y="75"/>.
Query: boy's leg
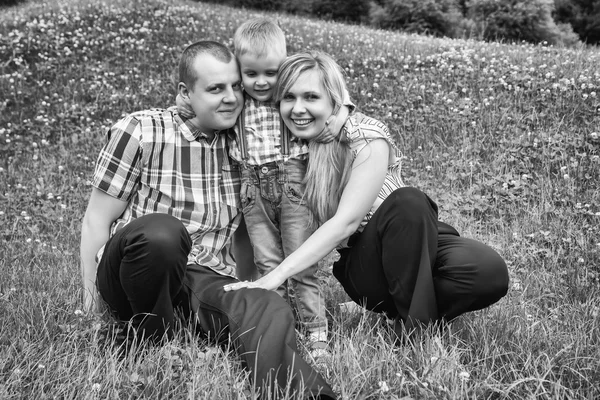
<point x="261" y="325"/>
<point x="295" y="229"/>
<point x="141" y="272"/>
<point x="468" y="275"/>
<point x="261" y="197"/>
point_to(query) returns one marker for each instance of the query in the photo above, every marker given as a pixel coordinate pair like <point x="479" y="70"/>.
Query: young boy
<point x="273" y="166"/>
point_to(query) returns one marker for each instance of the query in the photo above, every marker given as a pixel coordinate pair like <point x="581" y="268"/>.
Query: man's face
<point x="216" y="96"/>
<point x="259" y="73"/>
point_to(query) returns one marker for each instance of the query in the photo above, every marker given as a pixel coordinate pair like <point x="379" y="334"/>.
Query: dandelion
<point x="96" y="387"/>
<point x="78" y="313"/>
<point x="464" y="375"/>
<point x="383" y="386"/>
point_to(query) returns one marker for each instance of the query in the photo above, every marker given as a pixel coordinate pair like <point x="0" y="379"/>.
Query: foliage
<point x="433" y="17"/>
<point x="503" y="137"/>
<point x="582" y="15"/>
<point x="517" y="20"/>
<point x="7" y="3"/>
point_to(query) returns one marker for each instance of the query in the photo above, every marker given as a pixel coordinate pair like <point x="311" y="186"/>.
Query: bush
<point x="433" y="17"/>
<point x="7" y="3"/>
<point x="341" y="10"/>
<point x="582" y="15"/>
<point x="267" y="5"/>
<point x="518" y="20"/>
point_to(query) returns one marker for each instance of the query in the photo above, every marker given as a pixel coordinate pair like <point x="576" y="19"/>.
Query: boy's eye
<point x="250" y="74"/>
<point x="272" y="73"/>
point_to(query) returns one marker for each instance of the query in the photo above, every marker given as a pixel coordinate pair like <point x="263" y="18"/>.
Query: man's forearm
<point x="90" y="244"/>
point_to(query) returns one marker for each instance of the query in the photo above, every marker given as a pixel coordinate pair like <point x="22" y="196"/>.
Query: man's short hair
<point x="187" y="74"/>
<point x="259" y="36"/>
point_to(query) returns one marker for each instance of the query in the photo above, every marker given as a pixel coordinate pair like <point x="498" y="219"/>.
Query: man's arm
<point x="101" y="211"/>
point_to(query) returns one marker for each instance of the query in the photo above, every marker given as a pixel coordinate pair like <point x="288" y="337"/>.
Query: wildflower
<point x="383" y="386"/>
<point x="464" y="375"/>
<point x="96" y="387"/>
<point x="78" y="313"/>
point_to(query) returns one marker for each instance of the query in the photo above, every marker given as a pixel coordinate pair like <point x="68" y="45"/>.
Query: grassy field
<point x="506" y="138"/>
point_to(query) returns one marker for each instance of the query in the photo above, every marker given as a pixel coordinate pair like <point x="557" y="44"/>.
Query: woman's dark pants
<point x="419" y="270"/>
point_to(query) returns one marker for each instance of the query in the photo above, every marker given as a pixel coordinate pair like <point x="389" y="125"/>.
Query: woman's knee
<point x="409" y="205"/>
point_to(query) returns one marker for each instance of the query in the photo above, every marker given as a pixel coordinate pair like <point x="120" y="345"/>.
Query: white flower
<point x="383" y="386"/>
<point x="464" y="375"/>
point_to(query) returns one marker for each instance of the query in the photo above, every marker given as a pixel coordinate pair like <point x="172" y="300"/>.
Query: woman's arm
<point x="101" y="211"/>
<point x="368" y="174"/>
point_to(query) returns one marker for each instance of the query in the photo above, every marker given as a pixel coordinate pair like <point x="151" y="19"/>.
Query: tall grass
<point x="504" y="137"/>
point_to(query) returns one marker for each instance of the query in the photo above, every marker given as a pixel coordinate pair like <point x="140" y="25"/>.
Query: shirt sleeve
<point x="118" y="167"/>
<point x="347" y="101"/>
<point x="361" y="130"/>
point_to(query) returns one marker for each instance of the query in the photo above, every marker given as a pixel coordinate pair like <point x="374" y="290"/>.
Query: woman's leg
<point x="389" y="268"/>
<point x="468" y="276"/>
<point x="141" y="272"/>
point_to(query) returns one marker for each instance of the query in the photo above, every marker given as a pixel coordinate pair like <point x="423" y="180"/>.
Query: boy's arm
<point x="335" y="123"/>
<point x="184" y="109"/>
<point x="101" y="211"/>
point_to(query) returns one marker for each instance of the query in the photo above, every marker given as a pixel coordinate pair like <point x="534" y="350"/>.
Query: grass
<point x="504" y="137"/>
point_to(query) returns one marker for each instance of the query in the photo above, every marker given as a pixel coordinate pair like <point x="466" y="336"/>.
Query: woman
<point x="396" y="257"/>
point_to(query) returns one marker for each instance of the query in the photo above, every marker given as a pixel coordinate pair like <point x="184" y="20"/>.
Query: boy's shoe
<point x="319" y="352"/>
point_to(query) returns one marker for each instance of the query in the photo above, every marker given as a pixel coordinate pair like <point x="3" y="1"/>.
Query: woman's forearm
<point x="317" y="246"/>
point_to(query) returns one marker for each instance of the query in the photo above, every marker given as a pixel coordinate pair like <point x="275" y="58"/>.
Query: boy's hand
<point x="333" y="126"/>
<point x="184" y="110"/>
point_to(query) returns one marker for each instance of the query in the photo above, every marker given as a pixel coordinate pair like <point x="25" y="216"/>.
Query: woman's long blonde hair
<point x="329" y="164"/>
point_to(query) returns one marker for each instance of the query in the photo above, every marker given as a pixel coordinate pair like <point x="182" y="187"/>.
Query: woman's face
<point x="306" y="106"/>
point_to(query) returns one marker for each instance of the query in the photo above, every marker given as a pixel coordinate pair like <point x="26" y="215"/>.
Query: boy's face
<point x="216" y="97"/>
<point x="259" y="73"/>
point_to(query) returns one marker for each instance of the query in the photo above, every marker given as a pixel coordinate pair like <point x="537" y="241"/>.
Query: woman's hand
<point x="268" y="282"/>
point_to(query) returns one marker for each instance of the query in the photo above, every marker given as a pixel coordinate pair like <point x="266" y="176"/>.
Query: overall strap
<point x="285" y="140"/>
<point x="242" y="140"/>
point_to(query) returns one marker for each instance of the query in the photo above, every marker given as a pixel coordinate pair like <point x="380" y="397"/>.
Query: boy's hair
<point x="259" y="36"/>
<point x="187" y="74"/>
<point x="329" y="164"/>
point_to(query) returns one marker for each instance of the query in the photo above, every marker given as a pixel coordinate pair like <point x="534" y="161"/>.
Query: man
<point x="157" y="231"/>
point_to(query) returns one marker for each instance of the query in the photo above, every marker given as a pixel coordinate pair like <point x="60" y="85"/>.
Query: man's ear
<point x="183" y="91"/>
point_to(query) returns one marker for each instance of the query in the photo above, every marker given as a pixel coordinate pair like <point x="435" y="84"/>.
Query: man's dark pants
<point x="144" y="278"/>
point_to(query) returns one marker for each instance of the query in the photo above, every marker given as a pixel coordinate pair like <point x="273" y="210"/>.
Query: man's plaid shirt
<point x="159" y="163"/>
<point x="263" y="134"/>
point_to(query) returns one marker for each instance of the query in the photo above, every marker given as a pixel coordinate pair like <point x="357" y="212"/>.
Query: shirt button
<point x="264" y="170"/>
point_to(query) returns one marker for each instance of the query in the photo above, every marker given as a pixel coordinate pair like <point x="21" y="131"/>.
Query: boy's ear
<point x="183" y="91"/>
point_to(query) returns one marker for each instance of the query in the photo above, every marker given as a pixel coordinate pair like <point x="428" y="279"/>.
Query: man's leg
<point x="261" y="325"/>
<point x="141" y="272"/>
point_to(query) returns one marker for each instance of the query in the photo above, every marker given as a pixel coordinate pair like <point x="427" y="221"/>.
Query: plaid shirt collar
<point x="191" y="133"/>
